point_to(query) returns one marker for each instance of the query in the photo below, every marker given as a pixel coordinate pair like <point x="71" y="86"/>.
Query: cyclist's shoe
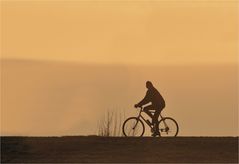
<point x="156" y="134"/>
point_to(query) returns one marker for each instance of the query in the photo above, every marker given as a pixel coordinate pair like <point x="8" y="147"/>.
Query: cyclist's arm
<point x="145" y="100"/>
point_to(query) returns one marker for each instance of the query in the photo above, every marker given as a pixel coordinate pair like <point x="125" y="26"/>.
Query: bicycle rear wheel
<point x="133" y="127"/>
<point x="168" y="127"/>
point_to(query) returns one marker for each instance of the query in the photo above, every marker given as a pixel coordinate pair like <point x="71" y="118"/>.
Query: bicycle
<point x="134" y="126"/>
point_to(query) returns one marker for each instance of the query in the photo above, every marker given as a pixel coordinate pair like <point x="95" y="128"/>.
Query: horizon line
<point x="120" y="63"/>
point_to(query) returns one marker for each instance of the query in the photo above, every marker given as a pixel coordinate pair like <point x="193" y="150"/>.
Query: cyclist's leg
<point x="156" y="116"/>
<point x="147" y="110"/>
<point x="155" y="119"/>
<point x="158" y="110"/>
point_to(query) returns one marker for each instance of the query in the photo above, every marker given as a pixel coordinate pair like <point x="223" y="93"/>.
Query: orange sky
<point x="126" y="32"/>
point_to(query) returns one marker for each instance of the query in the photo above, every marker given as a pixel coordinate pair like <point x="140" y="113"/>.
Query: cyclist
<point x="157" y="104"/>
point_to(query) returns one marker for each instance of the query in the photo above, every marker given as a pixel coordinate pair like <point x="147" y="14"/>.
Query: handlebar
<point x="140" y="107"/>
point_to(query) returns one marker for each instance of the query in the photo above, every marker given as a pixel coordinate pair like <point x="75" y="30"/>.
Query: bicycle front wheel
<point x="168" y="127"/>
<point x="133" y="127"/>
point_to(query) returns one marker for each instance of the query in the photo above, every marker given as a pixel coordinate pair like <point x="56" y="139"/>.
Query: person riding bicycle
<point x="158" y="103"/>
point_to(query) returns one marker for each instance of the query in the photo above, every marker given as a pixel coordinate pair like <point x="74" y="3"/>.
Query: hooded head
<point x="149" y="85"/>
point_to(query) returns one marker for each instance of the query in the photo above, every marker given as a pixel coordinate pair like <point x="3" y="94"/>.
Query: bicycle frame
<point x="150" y="125"/>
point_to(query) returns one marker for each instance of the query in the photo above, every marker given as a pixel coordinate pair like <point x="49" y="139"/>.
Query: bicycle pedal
<point x="153" y="129"/>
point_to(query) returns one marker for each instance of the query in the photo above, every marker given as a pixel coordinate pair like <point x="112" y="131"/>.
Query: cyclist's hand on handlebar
<point x="136" y="106"/>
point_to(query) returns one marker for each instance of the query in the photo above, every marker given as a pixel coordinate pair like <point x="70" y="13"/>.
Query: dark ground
<point x="116" y="149"/>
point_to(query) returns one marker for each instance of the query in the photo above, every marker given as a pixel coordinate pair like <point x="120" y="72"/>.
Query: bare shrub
<point x="111" y="124"/>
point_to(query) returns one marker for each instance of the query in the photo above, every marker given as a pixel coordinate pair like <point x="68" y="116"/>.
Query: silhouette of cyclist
<point x="158" y="103"/>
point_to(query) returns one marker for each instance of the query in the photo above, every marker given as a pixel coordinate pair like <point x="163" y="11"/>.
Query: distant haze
<point x="64" y="98"/>
<point x="65" y="63"/>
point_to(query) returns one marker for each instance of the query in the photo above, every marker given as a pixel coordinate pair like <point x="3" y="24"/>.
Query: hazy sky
<point x="67" y="98"/>
<point x="121" y="31"/>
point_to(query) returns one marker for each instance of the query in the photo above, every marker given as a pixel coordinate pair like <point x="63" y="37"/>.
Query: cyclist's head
<point x="149" y="84"/>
